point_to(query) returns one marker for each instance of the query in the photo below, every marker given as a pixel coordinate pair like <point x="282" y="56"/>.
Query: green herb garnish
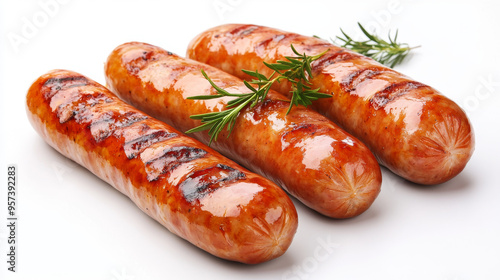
<point x="297" y="70"/>
<point x="389" y="53"/>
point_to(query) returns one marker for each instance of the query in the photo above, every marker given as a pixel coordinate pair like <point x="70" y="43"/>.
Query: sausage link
<point x="308" y="155"/>
<point x="411" y="128"/>
<point x="192" y="190"/>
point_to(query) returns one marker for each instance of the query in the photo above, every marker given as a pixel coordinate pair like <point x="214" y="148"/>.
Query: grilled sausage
<point x="313" y="159"/>
<point x="411" y="128"/>
<point x="192" y="190"/>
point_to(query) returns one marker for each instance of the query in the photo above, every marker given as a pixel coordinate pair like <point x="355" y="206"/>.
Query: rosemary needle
<point x="389" y="53"/>
<point x="296" y="69"/>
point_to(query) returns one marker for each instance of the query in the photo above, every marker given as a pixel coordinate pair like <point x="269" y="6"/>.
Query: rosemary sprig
<point x="295" y="69"/>
<point x="389" y="53"/>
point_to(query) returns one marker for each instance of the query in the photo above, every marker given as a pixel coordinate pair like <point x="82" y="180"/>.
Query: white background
<point x="74" y="226"/>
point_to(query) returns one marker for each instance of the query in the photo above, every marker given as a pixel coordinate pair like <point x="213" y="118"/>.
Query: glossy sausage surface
<point x="192" y="190"/>
<point x="308" y="155"/>
<point x="411" y="128"/>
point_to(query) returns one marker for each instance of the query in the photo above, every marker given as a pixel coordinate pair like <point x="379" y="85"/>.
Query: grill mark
<point x="141" y="59"/>
<point x="169" y="159"/>
<point x="382" y="97"/>
<point x="243" y="30"/>
<point x="75" y="102"/>
<point x="278" y="37"/>
<point x="203" y="182"/>
<point x="304" y="128"/>
<point x="289" y="37"/>
<point x="76" y="97"/>
<point x="57" y="84"/>
<point x="355" y="78"/>
<point x="311" y="47"/>
<point x="103" y="121"/>
<point x="178" y="70"/>
<point x="105" y="124"/>
<point x="301" y="129"/>
<point x="132" y="68"/>
<point x="133" y="147"/>
<point x="268" y="105"/>
<point x="262" y="45"/>
<point x="332" y="58"/>
<point x="60" y="80"/>
<point x="147" y="55"/>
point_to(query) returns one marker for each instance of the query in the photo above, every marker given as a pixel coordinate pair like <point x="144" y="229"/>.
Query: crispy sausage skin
<point x="305" y="153"/>
<point x="192" y="190"/>
<point x="411" y="128"/>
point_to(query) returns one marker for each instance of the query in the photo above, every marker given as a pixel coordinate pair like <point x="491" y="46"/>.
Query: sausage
<point x="305" y="153"/>
<point x="411" y="128"/>
<point x="192" y="190"/>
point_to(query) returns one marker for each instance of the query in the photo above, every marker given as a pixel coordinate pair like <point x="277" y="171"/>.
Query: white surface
<point x="74" y="226"/>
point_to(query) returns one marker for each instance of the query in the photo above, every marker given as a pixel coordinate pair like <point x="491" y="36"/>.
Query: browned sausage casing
<point x="313" y="159"/>
<point x="411" y="128"/>
<point x="189" y="188"/>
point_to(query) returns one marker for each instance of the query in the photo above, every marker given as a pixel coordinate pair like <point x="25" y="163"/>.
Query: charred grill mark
<point x="320" y="46"/>
<point x="62" y="80"/>
<point x="153" y="55"/>
<point x="272" y="104"/>
<point x="332" y="58"/>
<point x="355" y="78"/>
<point x="280" y="39"/>
<point x="381" y="98"/>
<point x="268" y="105"/>
<point x="262" y="48"/>
<point x="146" y="55"/>
<point x="141" y="60"/>
<point x="132" y="69"/>
<point x="243" y="30"/>
<point x="301" y="128"/>
<point x="287" y="37"/>
<point x="57" y="84"/>
<point x="203" y="182"/>
<point x="290" y="136"/>
<point x="169" y="159"/>
<point x="178" y="70"/>
<point x="133" y="147"/>
<point x="74" y="102"/>
<point x="262" y="45"/>
<point x="76" y="97"/>
<point x="181" y="153"/>
<point x="104" y="124"/>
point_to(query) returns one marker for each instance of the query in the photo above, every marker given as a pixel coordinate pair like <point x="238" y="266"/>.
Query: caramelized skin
<point x="305" y="153"/>
<point x="189" y="188"/>
<point x="411" y="128"/>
